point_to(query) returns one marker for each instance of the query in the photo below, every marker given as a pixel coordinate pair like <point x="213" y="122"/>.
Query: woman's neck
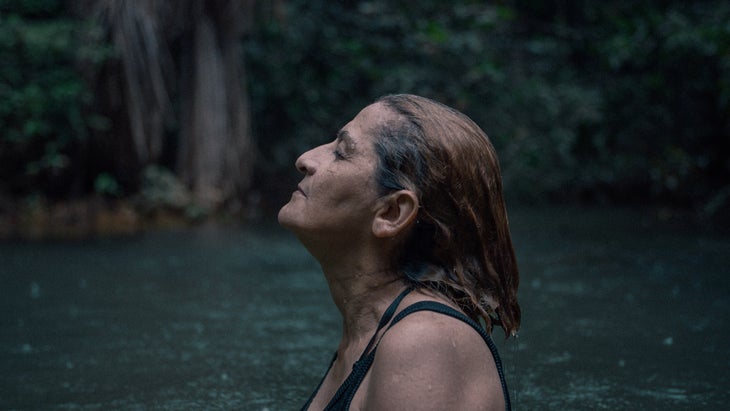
<point x="362" y="297"/>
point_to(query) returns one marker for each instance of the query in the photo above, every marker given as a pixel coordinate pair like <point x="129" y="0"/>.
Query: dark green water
<point x="620" y="312"/>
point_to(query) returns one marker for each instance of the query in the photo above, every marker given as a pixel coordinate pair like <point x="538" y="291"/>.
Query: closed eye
<point x="338" y="153"/>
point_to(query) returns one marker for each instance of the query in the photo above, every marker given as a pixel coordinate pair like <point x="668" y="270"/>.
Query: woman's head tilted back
<point x="460" y="244"/>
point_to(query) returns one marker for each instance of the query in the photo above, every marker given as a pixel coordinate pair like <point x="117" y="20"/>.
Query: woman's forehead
<point x="368" y="119"/>
<point x="375" y="113"/>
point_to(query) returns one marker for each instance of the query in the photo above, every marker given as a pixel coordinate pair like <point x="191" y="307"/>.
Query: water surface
<point x="620" y="311"/>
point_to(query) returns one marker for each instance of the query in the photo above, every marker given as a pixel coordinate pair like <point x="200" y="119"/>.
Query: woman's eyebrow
<point x="346" y="138"/>
<point x="344" y="135"/>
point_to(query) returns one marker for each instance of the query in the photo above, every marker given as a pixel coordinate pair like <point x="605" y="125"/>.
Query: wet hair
<point x="460" y="244"/>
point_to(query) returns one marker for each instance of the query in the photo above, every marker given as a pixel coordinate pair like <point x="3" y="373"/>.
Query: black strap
<point x="446" y="310"/>
<point x="345" y="393"/>
<point x="387" y="315"/>
<point x="355" y="374"/>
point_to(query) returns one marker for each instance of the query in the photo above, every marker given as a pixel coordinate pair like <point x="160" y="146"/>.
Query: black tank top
<point x="343" y="397"/>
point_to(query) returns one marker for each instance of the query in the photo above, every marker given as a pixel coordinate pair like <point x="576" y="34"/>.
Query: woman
<point x="405" y="214"/>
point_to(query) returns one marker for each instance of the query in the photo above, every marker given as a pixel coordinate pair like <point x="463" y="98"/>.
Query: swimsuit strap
<point x="387" y="315"/>
<point x="446" y="310"/>
<point x="345" y="393"/>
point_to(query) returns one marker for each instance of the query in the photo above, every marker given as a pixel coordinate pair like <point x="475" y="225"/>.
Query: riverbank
<point x="38" y="219"/>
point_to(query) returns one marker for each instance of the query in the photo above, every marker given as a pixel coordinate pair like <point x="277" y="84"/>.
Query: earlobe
<point x="396" y="213"/>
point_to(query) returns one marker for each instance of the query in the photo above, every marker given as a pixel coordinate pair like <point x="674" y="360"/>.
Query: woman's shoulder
<point x="430" y="326"/>
<point x="428" y="332"/>
<point x="428" y="358"/>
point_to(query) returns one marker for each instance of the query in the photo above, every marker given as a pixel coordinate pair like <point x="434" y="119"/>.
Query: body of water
<point x="620" y="311"/>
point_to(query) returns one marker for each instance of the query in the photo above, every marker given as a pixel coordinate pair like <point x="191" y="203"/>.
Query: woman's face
<point x="338" y="193"/>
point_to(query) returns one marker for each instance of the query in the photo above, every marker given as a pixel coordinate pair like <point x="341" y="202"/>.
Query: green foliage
<point x="42" y="97"/>
<point x="32" y="8"/>
<point x="616" y="100"/>
<point x="620" y="100"/>
<point x="665" y="73"/>
<point x="315" y="70"/>
<point x="107" y="185"/>
<point x="161" y="189"/>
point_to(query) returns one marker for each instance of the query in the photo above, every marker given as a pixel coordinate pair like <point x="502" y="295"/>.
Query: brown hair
<point x="460" y="244"/>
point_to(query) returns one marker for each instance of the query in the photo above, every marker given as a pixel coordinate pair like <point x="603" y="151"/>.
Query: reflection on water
<point x="619" y="313"/>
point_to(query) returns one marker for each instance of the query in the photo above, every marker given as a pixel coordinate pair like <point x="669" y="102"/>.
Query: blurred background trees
<point x="617" y="102"/>
<point x="177" y="82"/>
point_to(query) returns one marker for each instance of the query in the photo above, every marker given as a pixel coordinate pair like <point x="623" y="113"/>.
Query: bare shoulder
<point x="433" y="361"/>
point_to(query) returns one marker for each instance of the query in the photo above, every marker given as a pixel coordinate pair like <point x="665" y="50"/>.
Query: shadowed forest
<point x="115" y="114"/>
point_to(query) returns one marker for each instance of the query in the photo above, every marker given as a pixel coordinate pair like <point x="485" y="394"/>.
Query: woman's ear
<point x="395" y="213"/>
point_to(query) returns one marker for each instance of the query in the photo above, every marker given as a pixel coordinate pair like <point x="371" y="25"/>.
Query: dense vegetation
<point x="618" y="101"/>
<point x="43" y="98"/>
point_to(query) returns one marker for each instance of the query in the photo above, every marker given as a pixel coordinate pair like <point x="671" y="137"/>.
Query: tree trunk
<point x="214" y="149"/>
<point x="134" y="31"/>
<point x="215" y="157"/>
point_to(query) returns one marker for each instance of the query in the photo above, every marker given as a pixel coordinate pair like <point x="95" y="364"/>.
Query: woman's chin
<point x="282" y="217"/>
<point x="286" y="217"/>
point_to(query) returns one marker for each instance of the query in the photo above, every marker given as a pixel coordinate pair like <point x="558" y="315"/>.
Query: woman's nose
<point x="305" y="163"/>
